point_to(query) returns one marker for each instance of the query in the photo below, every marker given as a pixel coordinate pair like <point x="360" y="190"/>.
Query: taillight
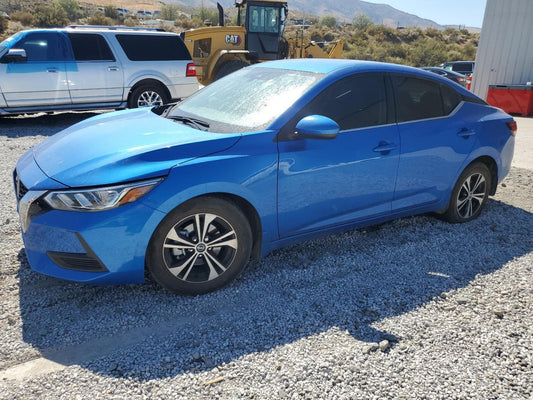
<point x="512" y="127"/>
<point x="191" y="69"/>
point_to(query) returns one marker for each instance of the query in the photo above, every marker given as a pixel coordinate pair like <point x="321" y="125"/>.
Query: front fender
<point x="248" y="170"/>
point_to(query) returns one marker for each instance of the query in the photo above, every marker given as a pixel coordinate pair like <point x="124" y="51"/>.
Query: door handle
<point x="385" y="147"/>
<point x="52" y="70"/>
<point x="466" y="133"/>
<point x="112" y="69"/>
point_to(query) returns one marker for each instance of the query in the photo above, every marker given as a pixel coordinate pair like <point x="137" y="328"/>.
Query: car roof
<point x="327" y="66"/>
<point x="337" y="68"/>
<point x="448" y="71"/>
<point x="103" y="29"/>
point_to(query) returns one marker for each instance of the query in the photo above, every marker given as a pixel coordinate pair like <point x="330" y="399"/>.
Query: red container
<point x="513" y="99"/>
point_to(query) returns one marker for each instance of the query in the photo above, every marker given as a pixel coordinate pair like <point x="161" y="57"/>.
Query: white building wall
<point x="505" y="51"/>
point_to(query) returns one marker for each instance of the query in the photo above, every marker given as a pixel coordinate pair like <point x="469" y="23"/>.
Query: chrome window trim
<point x="454" y="111"/>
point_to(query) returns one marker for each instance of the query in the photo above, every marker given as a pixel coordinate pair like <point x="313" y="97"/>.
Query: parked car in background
<point x="123" y="11"/>
<point x="462" y="67"/>
<point x="84" y="67"/>
<point x="268" y="156"/>
<point x="454" y="76"/>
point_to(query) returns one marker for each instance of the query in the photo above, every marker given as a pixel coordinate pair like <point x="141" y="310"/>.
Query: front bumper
<point x="106" y="247"/>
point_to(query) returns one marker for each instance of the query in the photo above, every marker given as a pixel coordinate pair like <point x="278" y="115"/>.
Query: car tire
<point x="148" y="96"/>
<point x="200" y="246"/>
<point x="229" y="67"/>
<point x="469" y="194"/>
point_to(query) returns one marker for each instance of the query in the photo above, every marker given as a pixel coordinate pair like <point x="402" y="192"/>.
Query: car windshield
<point x="10" y="40"/>
<point x="247" y="100"/>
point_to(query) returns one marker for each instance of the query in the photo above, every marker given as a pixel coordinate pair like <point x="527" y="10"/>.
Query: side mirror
<point x="14" y="55"/>
<point x="316" y="127"/>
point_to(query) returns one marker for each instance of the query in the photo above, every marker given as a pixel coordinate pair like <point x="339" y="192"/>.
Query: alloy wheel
<point x="471" y="195"/>
<point x="200" y="248"/>
<point x="149" y="99"/>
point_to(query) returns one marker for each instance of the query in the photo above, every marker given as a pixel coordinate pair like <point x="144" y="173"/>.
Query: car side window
<point x="42" y="46"/>
<point x="153" y="47"/>
<point x="90" y="47"/>
<point x="417" y="98"/>
<point x="353" y="102"/>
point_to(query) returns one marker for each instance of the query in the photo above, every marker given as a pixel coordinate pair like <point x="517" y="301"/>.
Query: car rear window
<point x="462" y="67"/>
<point x="153" y="47"/>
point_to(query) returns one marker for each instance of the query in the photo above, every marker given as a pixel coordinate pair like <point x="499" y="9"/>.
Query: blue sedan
<point x="273" y="154"/>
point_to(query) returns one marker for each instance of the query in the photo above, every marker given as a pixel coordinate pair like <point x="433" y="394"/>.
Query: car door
<point x="94" y="74"/>
<point x="436" y="137"/>
<point x="322" y="183"/>
<point x="41" y="78"/>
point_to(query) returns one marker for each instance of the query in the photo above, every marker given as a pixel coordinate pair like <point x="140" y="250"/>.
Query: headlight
<point x="99" y="199"/>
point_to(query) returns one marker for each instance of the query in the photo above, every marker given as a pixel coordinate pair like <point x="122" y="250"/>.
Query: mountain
<point x="343" y="10"/>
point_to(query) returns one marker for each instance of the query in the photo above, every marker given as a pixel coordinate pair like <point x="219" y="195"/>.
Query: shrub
<point x="22" y="16"/>
<point x="131" y="21"/>
<point x="99" y="18"/>
<point x="169" y="12"/>
<point x="111" y="12"/>
<point x="316" y="36"/>
<point x="208" y="16"/>
<point x="329" y="20"/>
<point x="3" y="24"/>
<point x="71" y="7"/>
<point x="362" y="22"/>
<point x="329" y="37"/>
<point x="50" y="16"/>
<point x="185" y="23"/>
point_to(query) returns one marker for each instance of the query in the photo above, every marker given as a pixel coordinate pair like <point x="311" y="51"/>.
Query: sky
<point x="443" y="12"/>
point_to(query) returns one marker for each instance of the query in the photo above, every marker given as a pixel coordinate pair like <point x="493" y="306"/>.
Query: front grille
<point x="20" y="188"/>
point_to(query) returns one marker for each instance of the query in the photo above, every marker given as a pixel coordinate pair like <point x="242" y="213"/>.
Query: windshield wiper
<point x="197" y="123"/>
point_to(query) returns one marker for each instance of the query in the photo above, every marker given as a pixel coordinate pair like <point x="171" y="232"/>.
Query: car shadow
<point x="347" y="281"/>
<point x="41" y="124"/>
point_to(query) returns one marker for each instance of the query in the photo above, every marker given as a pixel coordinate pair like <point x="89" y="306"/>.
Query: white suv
<point x="87" y="67"/>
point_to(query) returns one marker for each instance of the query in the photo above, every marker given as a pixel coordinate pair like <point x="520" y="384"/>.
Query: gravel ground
<point x="415" y="308"/>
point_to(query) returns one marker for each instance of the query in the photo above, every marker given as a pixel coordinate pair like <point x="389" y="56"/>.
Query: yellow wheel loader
<point x="258" y="36"/>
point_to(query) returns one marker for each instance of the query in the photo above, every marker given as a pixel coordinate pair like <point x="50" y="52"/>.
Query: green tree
<point x="209" y="16"/>
<point x="362" y="22"/>
<point x="111" y="12"/>
<point x="170" y="12"/>
<point x="329" y="20"/>
<point x="71" y="7"/>
<point x="50" y="16"/>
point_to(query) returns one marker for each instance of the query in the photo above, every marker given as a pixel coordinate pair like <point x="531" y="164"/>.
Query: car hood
<point x="123" y="146"/>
